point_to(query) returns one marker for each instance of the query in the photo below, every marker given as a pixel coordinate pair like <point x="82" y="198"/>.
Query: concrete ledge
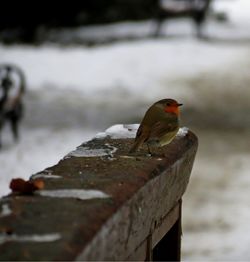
<point x="99" y="203"/>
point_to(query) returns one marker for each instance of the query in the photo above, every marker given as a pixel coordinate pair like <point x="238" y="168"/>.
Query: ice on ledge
<point x="44" y="175"/>
<point x="85" y="151"/>
<point x="119" y="131"/>
<point x="6" y="211"/>
<point x="29" y="238"/>
<point x="81" y="194"/>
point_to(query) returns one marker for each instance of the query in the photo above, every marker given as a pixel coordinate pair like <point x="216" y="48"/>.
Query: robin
<point x="159" y="125"/>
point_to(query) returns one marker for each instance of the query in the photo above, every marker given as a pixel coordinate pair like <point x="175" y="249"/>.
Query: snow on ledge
<point x="6" y="211"/>
<point x="182" y="131"/>
<point x="45" y="176"/>
<point x="81" y="194"/>
<point x="121" y="131"/>
<point x="29" y="238"/>
<point x="85" y="151"/>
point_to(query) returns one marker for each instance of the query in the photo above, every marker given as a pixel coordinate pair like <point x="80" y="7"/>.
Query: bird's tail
<point x="135" y="146"/>
<point x="133" y="149"/>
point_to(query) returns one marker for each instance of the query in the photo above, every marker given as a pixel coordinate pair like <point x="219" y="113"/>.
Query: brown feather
<point x="142" y="135"/>
<point x="158" y="126"/>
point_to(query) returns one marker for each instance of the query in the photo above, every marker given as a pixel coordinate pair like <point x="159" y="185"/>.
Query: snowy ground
<point x="76" y="92"/>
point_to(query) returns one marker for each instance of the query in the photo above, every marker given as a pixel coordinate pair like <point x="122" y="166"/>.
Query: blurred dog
<point x="12" y="88"/>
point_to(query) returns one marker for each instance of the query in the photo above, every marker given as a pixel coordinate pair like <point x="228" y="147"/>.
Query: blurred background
<point x="95" y="63"/>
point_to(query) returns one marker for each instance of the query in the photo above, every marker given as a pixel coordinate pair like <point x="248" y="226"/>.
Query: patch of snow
<point x="6" y="211"/>
<point x="119" y="131"/>
<point x="113" y="149"/>
<point x="85" y="151"/>
<point x="182" y="131"/>
<point x="237" y="10"/>
<point x="46" y="176"/>
<point x="123" y="131"/>
<point x="29" y="238"/>
<point x="73" y="193"/>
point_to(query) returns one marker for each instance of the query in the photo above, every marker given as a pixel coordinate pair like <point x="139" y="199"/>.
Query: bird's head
<point x="169" y="106"/>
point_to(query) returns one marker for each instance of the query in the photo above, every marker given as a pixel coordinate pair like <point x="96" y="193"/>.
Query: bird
<point x="159" y="125"/>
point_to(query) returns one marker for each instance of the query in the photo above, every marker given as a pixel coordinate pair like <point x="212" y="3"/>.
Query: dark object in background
<point x="12" y="88"/>
<point x="195" y="9"/>
<point x="27" y="21"/>
<point x="24" y="21"/>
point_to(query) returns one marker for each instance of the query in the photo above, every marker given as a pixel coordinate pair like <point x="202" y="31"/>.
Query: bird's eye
<point x="168" y="104"/>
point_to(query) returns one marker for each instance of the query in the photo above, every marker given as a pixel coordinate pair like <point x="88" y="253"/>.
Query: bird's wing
<point x="142" y="135"/>
<point x="159" y="129"/>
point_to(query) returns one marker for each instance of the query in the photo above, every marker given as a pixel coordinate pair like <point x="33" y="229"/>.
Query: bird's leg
<point x="149" y="151"/>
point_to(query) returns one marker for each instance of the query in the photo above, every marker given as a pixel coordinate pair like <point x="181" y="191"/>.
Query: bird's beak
<point x="180" y="104"/>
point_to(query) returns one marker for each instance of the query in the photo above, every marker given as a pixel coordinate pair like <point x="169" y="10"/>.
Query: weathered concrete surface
<point x="141" y="190"/>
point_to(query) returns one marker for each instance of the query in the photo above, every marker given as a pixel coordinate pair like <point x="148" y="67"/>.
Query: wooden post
<point x="169" y="247"/>
<point x="100" y="203"/>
